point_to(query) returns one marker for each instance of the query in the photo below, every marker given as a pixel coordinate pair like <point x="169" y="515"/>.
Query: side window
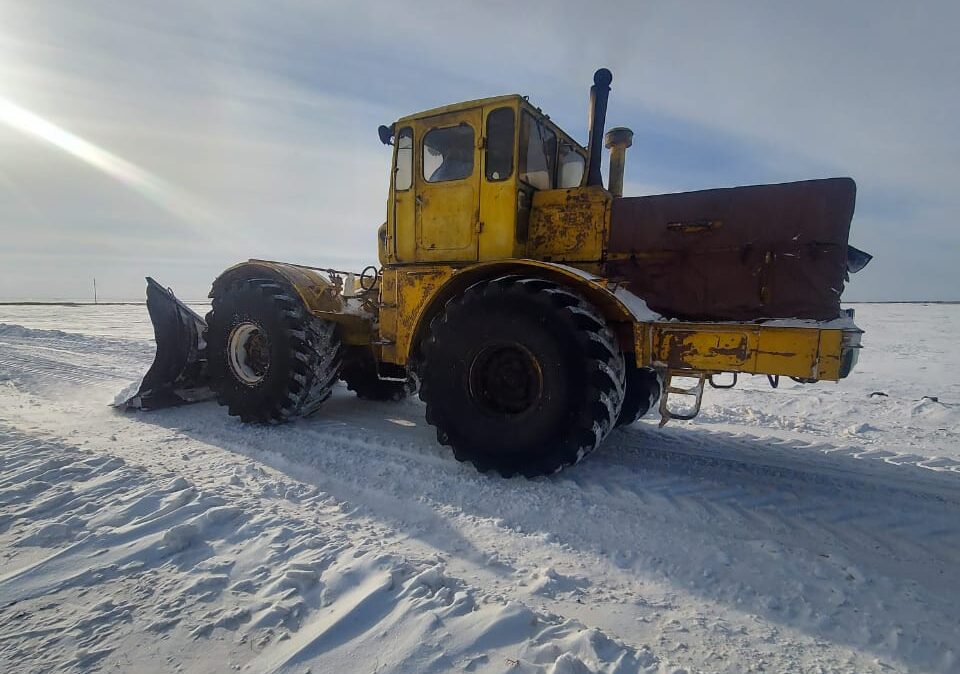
<point x="448" y="153"/>
<point x="499" y="160"/>
<point x="404" y="175"/>
<point x="571" y="167"/>
<point x="538" y="153"/>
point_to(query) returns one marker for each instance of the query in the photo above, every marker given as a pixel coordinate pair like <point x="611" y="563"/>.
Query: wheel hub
<point x="248" y="353"/>
<point x="506" y="379"/>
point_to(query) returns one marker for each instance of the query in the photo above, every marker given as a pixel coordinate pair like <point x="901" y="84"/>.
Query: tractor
<point x="532" y="308"/>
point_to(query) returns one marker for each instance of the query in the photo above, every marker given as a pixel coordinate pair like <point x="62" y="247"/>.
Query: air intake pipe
<point x="617" y="141"/>
<point x="599" y="93"/>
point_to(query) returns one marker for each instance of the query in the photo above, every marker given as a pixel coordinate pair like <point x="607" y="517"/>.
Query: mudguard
<point x="178" y="374"/>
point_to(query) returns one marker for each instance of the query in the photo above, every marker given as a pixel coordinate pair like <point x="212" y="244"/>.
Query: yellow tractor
<point x="533" y="309"/>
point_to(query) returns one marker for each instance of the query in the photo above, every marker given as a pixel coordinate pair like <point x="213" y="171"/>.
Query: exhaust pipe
<point x="599" y="93"/>
<point x="617" y="141"/>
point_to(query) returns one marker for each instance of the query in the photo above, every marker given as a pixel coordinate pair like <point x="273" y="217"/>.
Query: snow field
<point x="803" y="529"/>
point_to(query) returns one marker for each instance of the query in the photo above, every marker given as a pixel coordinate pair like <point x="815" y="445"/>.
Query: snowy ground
<point x="804" y="529"/>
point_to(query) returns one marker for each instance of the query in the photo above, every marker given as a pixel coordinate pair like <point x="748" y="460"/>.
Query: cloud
<point x="266" y="113"/>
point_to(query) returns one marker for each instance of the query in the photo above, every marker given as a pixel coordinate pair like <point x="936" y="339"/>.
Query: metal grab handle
<point x="716" y="385"/>
<point x="694" y="226"/>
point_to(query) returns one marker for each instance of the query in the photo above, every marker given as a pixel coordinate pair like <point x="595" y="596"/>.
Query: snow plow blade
<point x="178" y="374"/>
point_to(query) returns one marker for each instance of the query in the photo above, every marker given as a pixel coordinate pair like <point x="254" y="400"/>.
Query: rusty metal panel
<point x="808" y="353"/>
<point x="702" y="348"/>
<point x="569" y="224"/>
<point x="642" y="344"/>
<point x="416" y="286"/>
<point x="742" y="253"/>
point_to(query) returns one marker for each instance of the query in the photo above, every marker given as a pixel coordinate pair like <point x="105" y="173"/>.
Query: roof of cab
<point x="457" y="107"/>
<point x="479" y="103"/>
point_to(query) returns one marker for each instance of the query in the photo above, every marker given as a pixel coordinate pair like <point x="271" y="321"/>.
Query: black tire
<point x="290" y="359"/>
<point x="520" y="375"/>
<point x="642" y="392"/>
<point x="359" y="372"/>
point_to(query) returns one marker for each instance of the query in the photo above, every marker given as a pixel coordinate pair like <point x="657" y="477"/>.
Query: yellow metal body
<point x="412" y="296"/>
<point x="569" y="225"/>
<point x="479" y="218"/>
<point x="440" y="237"/>
<point x="319" y="294"/>
<point x="802" y="352"/>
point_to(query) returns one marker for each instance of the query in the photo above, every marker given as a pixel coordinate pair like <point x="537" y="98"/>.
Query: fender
<point x="319" y="295"/>
<point x="423" y="291"/>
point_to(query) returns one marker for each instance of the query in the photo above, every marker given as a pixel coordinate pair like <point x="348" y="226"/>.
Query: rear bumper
<point x="804" y="350"/>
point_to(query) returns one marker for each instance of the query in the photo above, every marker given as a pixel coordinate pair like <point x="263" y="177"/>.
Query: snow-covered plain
<point x="804" y="529"/>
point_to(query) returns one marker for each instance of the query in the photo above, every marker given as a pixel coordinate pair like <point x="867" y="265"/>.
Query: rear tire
<point x="643" y="391"/>
<point x="268" y="358"/>
<point x="520" y="375"/>
<point x="359" y="372"/>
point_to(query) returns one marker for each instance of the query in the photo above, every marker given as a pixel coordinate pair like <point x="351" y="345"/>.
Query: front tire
<point x="521" y="376"/>
<point x="268" y="358"/>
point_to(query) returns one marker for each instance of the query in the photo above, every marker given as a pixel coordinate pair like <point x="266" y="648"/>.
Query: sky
<point x="173" y="139"/>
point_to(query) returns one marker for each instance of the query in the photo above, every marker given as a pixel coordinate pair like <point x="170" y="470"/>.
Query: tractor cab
<point x="465" y="179"/>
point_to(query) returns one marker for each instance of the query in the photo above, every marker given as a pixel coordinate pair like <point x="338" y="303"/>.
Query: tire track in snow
<point x="295" y="581"/>
<point x="41" y="359"/>
<point x="841" y="526"/>
<point x="711" y="520"/>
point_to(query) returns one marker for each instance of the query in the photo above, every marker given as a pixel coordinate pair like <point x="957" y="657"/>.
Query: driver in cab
<point x="455" y="146"/>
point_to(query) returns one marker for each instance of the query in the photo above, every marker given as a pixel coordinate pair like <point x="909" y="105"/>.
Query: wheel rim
<point x="506" y="379"/>
<point x="248" y="353"/>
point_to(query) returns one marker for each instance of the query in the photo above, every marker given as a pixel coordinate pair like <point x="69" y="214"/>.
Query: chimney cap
<point x="619" y="136"/>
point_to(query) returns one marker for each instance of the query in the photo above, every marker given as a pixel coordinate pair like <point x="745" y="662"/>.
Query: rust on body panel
<point x="569" y="224"/>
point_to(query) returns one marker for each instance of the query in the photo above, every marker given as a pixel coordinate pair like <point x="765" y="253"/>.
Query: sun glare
<point x="168" y="196"/>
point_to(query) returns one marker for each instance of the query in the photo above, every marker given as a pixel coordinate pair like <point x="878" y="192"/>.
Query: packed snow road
<point x="812" y="528"/>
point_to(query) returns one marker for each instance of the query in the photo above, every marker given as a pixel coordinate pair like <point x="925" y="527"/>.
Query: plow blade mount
<point x="179" y="372"/>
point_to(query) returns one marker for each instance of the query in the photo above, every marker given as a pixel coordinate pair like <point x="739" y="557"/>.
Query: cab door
<point x="447" y="201"/>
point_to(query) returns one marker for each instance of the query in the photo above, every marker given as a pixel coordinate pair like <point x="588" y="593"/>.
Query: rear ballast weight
<point x="536" y="310"/>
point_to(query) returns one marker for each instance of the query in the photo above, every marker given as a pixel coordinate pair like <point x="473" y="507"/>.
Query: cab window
<point x="448" y="153"/>
<point x="538" y="153"/>
<point x="499" y="155"/>
<point x="571" y="167"/>
<point x="403" y="178"/>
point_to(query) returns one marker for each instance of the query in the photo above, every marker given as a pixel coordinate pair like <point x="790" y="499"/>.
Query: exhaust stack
<point x="617" y="141"/>
<point x="599" y="93"/>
